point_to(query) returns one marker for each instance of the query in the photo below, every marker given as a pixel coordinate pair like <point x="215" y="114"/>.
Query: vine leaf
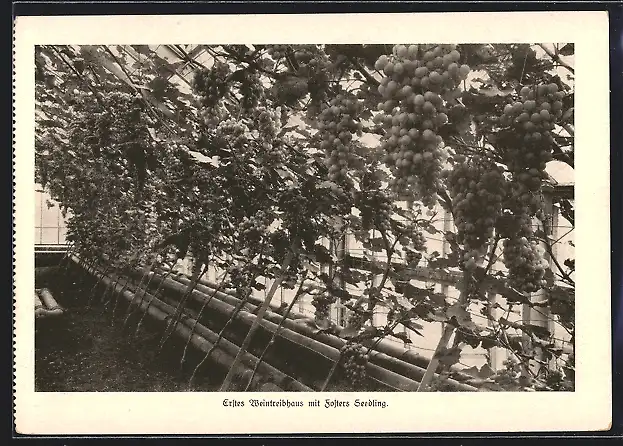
<point x="567" y="50"/>
<point x="404" y="337"/>
<point x="448" y="356"/>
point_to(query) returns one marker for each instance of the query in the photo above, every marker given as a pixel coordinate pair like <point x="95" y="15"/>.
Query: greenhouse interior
<point x="306" y="218"/>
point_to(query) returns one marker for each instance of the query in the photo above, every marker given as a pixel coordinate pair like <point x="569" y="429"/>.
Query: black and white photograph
<point x="351" y="219"/>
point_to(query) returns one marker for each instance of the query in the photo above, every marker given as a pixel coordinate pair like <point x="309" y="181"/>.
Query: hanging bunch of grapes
<point x="211" y="84"/>
<point x="354" y="362"/>
<point x="376" y="209"/>
<point x="268" y="122"/>
<point x="251" y="90"/>
<point x="525" y="263"/>
<point x="418" y="87"/>
<point x="529" y="140"/>
<point x="276" y="51"/>
<point x="235" y="132"/>
<point x="213" y="116"/>
<point x="416" y="237"/>
<point x="312" y="63"/>
<point x="418" y="240"/>
<point x="477" y="188"/>
<point x="252" y="228"/>
<point x="412" y="257"/>
<point x="337" y="124"/>
<point x="322" y="302"/>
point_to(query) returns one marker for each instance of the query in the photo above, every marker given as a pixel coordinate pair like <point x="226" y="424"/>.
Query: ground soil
<point x="84" y="351"/>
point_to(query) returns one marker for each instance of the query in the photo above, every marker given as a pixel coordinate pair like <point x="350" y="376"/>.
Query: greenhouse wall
<point x="50" y="225"/>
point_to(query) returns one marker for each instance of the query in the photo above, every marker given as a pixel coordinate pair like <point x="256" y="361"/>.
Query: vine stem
<point x="556" y="58"/>
<point x="203" y="306"/>
<point x="110" y="290"/>
<point x="232" y="316"/>
<point x="117" y="298"/>
<point x="97" y="282"/>
<point x="221" y="333"/>
<point x="155" y="294"/>
<point x="434" y="362"/>
<point x="331" y="373"/>
<point x="298" y="294"/>
<point x="180" y="308"/>
<point x="131" y="311"/>
<point x="95" y="92"/>
<point x="443" y="342"/>
<point x="256" y="323"/>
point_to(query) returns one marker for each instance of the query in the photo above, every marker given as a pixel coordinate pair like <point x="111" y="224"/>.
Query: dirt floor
<point x="82" y="351"/>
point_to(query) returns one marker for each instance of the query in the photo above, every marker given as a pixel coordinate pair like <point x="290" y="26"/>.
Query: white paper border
<point x="588" y="408"/>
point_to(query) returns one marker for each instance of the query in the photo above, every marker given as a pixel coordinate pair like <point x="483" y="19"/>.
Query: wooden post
<point x="497" y="355"/>
<point x="540" y="316"/>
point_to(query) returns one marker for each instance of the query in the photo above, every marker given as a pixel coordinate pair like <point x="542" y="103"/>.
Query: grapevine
<point x="252" y="228"/>
<point x="241" y="164"/>
<point x="234" y="131"/>
<point x="357" y="318"/>
<point x="251" y="91"/>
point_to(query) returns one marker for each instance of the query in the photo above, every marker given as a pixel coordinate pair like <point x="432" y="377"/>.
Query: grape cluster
<point x="525" y="263"/>
<point x="268" y="122"/>
<point x="306" y="54"/>
<point x="376" y="209"/>
<point x="477" y="189"/>
<point x="251" y="228"/>
<point x="211" y="84"/>
<point x="314" y="65"/>
<point x="337" y="124"/>
<point x="354" y="362"/>
<point x="531" y="120"/>
<point x="251" y="90"/>
<point x="277" y="51"/>
<point x="417" y="89"/>
<point x="417" y="238"/>
<point x="322" y="303"/>
<point x="412" y="257"/>
<point x="533" y="117"/>
<point x="234" y="131"/>
<point x="274" y="152"/>
<point x="213" y="115"/>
